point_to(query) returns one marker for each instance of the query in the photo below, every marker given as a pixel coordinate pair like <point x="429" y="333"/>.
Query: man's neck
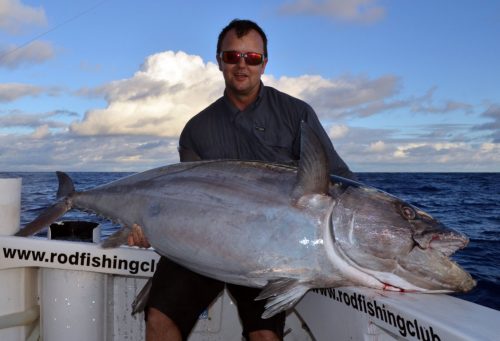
<point x="242" y="101"/>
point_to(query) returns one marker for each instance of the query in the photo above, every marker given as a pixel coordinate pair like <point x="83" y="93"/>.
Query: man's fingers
<point x="130" y="240"/>
<point x="137" y="238"/>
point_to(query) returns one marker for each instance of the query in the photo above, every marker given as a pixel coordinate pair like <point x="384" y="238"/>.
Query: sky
<point x="399" y="86"/>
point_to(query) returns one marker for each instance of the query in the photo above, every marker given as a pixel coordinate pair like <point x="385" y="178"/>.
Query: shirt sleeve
<point x="186" y="146"/>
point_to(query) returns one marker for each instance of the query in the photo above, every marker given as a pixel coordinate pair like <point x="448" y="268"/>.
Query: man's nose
<point x="241" y="61"/>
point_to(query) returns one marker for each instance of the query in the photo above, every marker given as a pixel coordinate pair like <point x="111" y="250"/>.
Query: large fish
<point x="280" y="228"/>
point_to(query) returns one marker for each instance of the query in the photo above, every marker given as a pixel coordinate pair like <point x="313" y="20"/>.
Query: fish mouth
<point x="431" y="269"/>
<point x="421" y="270"/>
<point x="446" y="243"/>
<point x="429" y="263"/>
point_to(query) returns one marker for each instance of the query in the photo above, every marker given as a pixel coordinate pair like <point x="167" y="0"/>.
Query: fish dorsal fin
<point x="281" y="294"/>
<point x="312" y="175"/>
<point x="66" y="186"/>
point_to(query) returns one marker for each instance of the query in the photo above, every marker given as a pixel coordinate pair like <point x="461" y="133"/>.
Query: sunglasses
<point x="233" y="57"/>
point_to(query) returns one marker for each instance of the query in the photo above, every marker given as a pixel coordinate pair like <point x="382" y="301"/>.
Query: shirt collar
<point x="258" y="100"/>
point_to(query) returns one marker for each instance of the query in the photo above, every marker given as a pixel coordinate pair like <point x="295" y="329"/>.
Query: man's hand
<point x="137" y="238"/>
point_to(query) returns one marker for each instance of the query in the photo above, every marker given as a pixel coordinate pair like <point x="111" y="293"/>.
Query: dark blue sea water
<point x="466" y="202"/>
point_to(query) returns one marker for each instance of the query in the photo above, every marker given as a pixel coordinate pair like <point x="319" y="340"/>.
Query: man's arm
<point x="186" y="154"/>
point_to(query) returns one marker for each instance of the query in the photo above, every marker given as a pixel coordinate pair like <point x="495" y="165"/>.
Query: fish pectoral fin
<point x="118" y="238"/>
<point x="281" y="294"/>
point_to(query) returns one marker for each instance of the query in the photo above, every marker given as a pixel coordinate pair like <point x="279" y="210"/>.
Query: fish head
<point x="397" y="245"/>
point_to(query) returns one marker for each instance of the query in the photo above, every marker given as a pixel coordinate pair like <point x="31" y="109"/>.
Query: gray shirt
<point x="267" y="130"/>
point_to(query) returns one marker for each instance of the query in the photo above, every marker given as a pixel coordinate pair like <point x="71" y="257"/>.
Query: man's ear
<point x="264" y="64"/>
<point x="219" y="62"/>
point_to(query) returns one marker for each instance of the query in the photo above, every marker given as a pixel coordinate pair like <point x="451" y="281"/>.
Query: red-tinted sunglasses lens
<point x="233" y="57"/>
<point x="253" y="58"/>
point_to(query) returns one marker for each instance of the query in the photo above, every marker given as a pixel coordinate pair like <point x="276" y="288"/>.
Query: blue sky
<point x="108" y="85"/>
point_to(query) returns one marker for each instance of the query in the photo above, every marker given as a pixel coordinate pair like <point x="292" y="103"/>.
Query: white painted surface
<point x="18" y="285"/>
<point x="72" y="304"/>
<point x="366" y="314"/>
<point x="10" y="205"/>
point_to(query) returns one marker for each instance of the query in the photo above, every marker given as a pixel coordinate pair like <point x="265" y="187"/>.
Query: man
<point x="250" y="122"/>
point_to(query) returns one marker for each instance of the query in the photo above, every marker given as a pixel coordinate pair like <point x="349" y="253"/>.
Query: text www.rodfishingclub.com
<point x="406" y="327"/>
<point x="81" y="259"/>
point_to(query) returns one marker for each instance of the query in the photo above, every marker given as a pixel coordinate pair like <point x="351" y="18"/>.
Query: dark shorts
<point x="183" y="295"/>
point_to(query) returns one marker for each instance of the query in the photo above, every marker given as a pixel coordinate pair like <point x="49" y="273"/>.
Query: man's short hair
<point x="242" y="27"/>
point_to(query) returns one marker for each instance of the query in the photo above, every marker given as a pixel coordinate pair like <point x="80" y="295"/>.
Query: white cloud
<point x="299" y="86"/>
<point x="432" y="152"/>
<point x="489" y="152"/>
<point x="172" y="87"/>
<point x="158" y="100"/>
<point x="448" y="145"/>
<point x="338" y="131"/>
<point x="362" y="11"/>
<point x="16" y="118"/>
<point x="492" y="113"/>
<point x="488" y="147"/>
<point x="347" y="96"/>
<point x="343" y="92"/>
<point x="41" y="132"/>
<point x="12" y="91"/>
<point x="37" y="52"/>
<point x="15" y="16"/>
<point x="377" y="147"/>
<point x="139" y="127"/>
<point x="403" y="151"/>
<point x="50" y="152"/>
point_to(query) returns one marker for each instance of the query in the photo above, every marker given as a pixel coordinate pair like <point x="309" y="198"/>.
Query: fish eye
<point x="408" y="212"/>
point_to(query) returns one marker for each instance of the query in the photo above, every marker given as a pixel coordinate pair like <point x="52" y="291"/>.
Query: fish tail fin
<point x="49" y="215"/>
<point x="45" y="218"/>
<point x="281" y="294"/>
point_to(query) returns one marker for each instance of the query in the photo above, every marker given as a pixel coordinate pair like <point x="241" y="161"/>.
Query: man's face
<point x="242" y="79"/>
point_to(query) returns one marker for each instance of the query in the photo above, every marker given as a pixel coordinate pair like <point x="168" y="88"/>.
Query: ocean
<point x="466" y="202"/>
